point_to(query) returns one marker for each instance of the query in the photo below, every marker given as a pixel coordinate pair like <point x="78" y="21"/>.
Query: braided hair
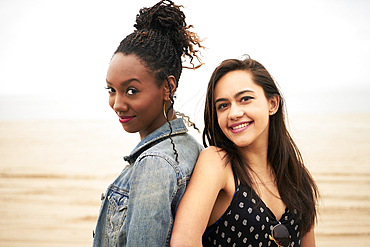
<point x="160" y="40"/>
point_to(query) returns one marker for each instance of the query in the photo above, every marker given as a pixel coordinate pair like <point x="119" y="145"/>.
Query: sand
<point x="52" y="174"/>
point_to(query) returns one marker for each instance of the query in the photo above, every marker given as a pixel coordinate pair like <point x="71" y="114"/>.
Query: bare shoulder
<point x="213" y="154"/>
<point x="211" y="172"/>
<point x="212" y="160"/>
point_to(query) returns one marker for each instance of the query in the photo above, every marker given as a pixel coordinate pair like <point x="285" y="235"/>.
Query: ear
<point x="274" y="103"/>
<point x="172" y="81"/>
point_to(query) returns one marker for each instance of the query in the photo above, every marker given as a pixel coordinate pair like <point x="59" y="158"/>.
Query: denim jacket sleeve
<point x="153" y="185"/>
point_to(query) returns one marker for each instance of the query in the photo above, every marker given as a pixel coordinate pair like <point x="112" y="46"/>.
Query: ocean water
<point x="35" y="107"/>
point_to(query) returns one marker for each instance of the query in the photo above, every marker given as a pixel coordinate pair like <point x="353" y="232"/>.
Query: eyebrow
<point x="235" y="96"/>
<point x="124" y="82"/>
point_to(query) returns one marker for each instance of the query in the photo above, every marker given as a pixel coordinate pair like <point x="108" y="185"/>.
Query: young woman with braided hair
<point x="250" y="186"/>
<point x="138" y="208"/>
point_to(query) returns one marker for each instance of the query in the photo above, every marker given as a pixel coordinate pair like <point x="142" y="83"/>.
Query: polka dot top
<point x="248" y="222"/>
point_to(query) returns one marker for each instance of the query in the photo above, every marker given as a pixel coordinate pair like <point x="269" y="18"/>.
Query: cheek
<point x="111" y="101"/>
<point x="152" y="103"/>
<point x="261" y="118"/>
<point x="140" y="107"/>
<point x="147" y="108"/>
<point x="221" y="121"/>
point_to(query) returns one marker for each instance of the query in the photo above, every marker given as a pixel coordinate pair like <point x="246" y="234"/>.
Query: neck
<point x="256" y="157"/>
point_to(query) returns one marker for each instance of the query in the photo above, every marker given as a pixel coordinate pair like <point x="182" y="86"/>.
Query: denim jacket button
<point x="102" y="196"/>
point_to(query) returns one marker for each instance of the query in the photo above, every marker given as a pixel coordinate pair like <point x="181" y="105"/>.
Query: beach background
<point x="53" y="172"/>
<point x="61" y="145"/>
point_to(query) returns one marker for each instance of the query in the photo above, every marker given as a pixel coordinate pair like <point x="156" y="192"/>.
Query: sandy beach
<point x="52" y="174"/>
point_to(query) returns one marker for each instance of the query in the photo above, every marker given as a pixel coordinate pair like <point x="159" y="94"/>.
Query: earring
<point x="164" y="111"/>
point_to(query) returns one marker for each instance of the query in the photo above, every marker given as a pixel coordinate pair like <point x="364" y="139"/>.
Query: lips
<point x="239" y="127"/>
<point x="124" y="119"/>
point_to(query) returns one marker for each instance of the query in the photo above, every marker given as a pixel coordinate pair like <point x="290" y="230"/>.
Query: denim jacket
<point x="140" y="205"/>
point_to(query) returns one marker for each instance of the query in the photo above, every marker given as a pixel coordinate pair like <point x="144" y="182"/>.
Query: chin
<point x="129" y="130"/>
<point x="241" y="143"/>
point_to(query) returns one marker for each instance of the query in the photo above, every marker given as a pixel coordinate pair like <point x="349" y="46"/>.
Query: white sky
<point x="61" y="48"/>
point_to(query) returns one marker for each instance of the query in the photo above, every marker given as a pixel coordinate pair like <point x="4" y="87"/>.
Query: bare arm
<point x="192" y="216"/>
<point x="308" y="240"/>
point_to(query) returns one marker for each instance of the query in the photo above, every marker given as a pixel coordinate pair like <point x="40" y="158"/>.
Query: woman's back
<point x="147" y="192"/>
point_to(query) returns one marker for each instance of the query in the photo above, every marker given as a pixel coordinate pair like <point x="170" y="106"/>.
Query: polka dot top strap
<point x="248" y="222"/>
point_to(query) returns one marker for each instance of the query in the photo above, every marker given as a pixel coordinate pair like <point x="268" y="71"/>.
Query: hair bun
<point x="166" y="22"/>
<point x="165" y="16"/>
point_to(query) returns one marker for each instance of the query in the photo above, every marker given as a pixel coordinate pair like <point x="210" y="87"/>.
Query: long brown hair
<point x="296" y="186"/>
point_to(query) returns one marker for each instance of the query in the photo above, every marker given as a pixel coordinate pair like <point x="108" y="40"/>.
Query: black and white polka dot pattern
<point x="248" y="222"/>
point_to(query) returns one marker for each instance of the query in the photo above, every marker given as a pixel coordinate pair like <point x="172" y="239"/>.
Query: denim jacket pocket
<point x="118" y="201"/>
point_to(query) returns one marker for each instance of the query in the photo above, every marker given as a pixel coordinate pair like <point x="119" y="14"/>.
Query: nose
<point x="117" y="103"/>
<point x="235" y="112"/>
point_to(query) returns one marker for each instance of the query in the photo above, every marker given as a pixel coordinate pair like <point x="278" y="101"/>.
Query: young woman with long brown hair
<point x="250" y="186"/>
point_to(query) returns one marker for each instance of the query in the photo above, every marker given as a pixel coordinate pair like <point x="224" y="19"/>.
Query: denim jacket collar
<point x="160" y="134"/>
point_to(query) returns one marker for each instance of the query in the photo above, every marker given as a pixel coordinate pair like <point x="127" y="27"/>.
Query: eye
<point x="221" y="106"/>
<point x="131" y="91"/>
<point x="246" y="98"/>
<point x="110" y="90"/>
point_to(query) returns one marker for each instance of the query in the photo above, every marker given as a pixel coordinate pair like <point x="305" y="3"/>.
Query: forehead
<point x="127" y="67"/>
<point x="234" y="82"/>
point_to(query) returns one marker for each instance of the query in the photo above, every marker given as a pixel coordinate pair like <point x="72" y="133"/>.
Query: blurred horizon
<point x="43" y="107"/>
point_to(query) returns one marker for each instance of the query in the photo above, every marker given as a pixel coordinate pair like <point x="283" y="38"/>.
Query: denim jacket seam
<point x="178" y="129"/>
<point x="117" y="189"/>
<point x="169" y="230"/>
<point x="170" y="161"/>
<point x="179" y="182"/>
<point x="138" y="151"/>
<point x="174" y="132"/>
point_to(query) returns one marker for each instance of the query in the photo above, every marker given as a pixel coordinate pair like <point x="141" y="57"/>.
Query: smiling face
<point x="134" y="95"/>
<point x="243" y="110"/>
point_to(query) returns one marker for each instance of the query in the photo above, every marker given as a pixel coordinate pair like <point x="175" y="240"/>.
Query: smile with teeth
<point x="241" y="126"/>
